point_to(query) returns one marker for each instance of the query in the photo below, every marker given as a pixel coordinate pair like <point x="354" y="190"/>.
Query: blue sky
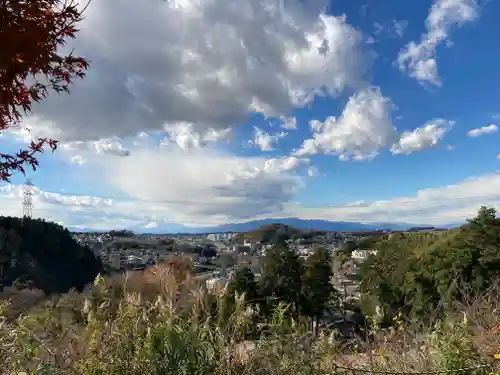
<point x="208" y="112"/>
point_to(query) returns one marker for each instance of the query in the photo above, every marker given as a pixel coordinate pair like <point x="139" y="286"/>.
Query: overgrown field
<point x="165" y="322"/>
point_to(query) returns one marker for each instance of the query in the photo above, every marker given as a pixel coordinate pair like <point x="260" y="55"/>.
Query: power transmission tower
<point x="28" y="192"/>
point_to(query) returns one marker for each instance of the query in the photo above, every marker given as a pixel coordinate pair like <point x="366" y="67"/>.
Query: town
<point x="216" y="256"/>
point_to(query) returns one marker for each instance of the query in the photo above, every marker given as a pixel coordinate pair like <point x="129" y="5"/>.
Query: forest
<point x="422" y="275"/>
<point x="43" y="255"/>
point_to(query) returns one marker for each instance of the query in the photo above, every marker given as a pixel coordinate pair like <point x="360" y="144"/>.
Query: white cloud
<point x="379" y="28"/>
<point x="213" y="135"/>
<point x="363" y="128"/>
<point x="200" y="187"/>
<point x="186" y="137"/>
<point x="426" y="136"/>
<point x="205" y="183"/>
<point x="266" y="141"/>
<point x="289" y="123"/>
<point x="182" y="134"/>
<point x="420" y="59"/>
<point x="221" y="203"/>
<point x="77" y="159"/>
<point x="395" y="30"/>
<point x="35" y="129"/>
<point x="112" y="146"/>
<point x="435" y="206"/>
<point x="498" y="156"/>
<point x="313" y="171"/>
<point x="204" y="63"/>
<point x="141" y="138"/>
<point x="32" y="129"/>
<point x="400" y="27"/>
<point x="483" y="130"/>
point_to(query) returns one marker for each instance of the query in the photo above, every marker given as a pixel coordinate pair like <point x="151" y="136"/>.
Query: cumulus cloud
<point x="289" y="123"/>
<point x="426" y="136"/>
<point x="112" y="146"/>
<point x="186" y="137"/>
<point x="419" y="59"/>
<point x="363" y="128"/>
<point x="266" y="141"/>
<point x="35" y="128"/>
<point x="483" y="130"/>
<point x="32" y="129"/>
<point x="205" y="63"/>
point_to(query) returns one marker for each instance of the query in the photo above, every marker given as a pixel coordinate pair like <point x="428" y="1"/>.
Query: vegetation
<point x="43" y="255"/>
<point x="437" y="300"/>
<point x="276" y="234"/>
<point x="317" y="290"/>
<point x="30" y="34"/>
<point x="121" y="233"/>
<point x="243" y="283"/>
<point x="423" y="274"/>
<point x="160" y="322"/>
<point x="281" y="279"/>
<point x="163" y="321"/>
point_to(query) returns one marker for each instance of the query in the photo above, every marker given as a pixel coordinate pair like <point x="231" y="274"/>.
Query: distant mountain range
<point x="340" y="226"/>
<point x="337" y="226"/>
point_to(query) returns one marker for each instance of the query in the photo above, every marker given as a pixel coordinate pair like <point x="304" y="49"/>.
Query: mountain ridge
<point x="317" y="224"/>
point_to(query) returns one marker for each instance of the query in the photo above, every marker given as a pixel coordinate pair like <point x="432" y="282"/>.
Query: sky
<point x="206" y="112"/>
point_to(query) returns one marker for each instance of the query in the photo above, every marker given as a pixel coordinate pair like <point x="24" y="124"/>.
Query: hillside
<point x="272" y="233"/>
<point x="43" y="255"/>
<point x="135" y="325"/>
<point x="421" y="274"/>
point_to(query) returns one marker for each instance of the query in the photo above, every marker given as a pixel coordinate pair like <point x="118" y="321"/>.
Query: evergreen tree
<point x="44" y="255"/>
<point x="344" y="253"/>
<point x="422" y="274"/>
<point x="243" y="281"/>
<point x="317" y="288"/>
<point x="281" y="278"/>
<point x="472" y="260"/>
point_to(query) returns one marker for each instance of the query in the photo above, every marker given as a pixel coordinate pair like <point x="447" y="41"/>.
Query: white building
<point x="362" y="254"/>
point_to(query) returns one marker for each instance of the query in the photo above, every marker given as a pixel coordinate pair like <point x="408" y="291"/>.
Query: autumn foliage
<point x="31" y="31"/>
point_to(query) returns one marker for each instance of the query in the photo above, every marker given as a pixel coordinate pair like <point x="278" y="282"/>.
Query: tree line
<point x="303" y="286"/>
<point x="44" y="255"/>
<point x="423" y="275"/>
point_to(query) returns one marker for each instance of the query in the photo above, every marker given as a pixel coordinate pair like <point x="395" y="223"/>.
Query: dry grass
<point x="163" y="321"/>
